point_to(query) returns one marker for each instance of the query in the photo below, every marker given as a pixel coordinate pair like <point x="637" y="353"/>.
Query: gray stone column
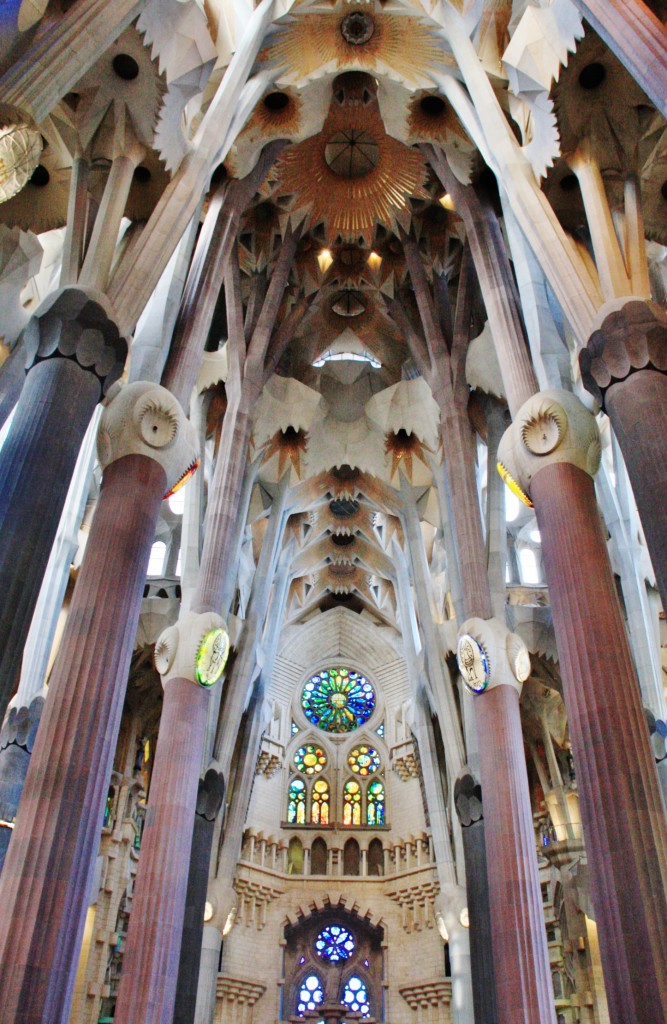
<point x="75" y="353"/>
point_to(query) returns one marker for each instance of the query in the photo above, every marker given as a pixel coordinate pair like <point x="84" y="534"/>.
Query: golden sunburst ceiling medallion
<point x="404" y="448"/>
<point x="352" y="175"/>
<point x="288" y="446"/>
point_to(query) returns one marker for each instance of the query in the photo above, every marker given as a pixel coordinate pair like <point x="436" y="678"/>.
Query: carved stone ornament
<point x="551" y="427"/>
<point x="487" y="651"/>
<point x="146" y="419"/>
<point x="632" y="336"/>
<point x="76" y="323"/>
<point x="178" y="651"/>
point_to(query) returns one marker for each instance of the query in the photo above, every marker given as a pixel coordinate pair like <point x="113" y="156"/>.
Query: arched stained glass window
<point x="320" y="803"/>
<point x="310" y="994"/>
<point x="334" y="943"/>
<point x="338" y="700"/>
<point x="352" y="803"/>
<point x="296" y="802"/>
<point x="364" y="760"/>
<point x="355" y="995"/>
<point x="310" y="759"/>
<point x="375" y="803"/>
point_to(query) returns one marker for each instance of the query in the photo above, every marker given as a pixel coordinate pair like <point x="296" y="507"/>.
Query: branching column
<point x="145" y="446"/>
<point x="624" y="366"/>
<point x="551" y="451"/>
<point x="75" y="353"/>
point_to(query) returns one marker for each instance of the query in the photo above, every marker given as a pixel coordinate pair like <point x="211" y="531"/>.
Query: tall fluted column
<point x="624" y="365"/>
<point x="494" y="663"/>
<point x="76" y="354"/>
<point x="551" y="450"/>
<point x="191" y="656"/>
<point x="144" y="446"/>
<point x="468" y="802"/>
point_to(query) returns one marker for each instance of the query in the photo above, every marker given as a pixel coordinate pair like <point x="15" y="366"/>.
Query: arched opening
<point x="375" y="858"/>
<point x="295" y="857"/>
<point x="352" y="803"/>
<point x="318" y="857"/>
<point x="351" y="857"/>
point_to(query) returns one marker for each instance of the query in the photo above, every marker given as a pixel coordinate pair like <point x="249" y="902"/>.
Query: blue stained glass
<point x="380" y="730"/>
<point x="356" y="997"/>
<point x="334" y="943"/>
<point x="295" y="728"/>
<point x="338" y="700"/>
<point x="310" y="994"/>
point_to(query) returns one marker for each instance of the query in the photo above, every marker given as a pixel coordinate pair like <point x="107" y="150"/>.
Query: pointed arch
<point x="375" y="803"/>
<point x="319" y="857"/>
<point x="351" y="857"/>
<point x="352" y="803"/>
<point x="296" y="802"/>
<point x="320" y="802"/>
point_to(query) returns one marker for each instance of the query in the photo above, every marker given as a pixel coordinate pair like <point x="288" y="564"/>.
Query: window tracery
<point x="338" y="700"/>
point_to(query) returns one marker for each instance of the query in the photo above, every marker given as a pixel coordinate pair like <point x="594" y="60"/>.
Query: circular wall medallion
<point x="357" y="27"/>
<point x="473" y="663"/>
<point x="211" y="657"/>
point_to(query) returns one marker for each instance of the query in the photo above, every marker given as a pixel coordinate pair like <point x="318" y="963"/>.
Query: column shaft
<point x="150" y="963"/>
<point x="523" y="981"/>
<point x="36" y="465"/>
<point x="193" y="923"/>
<point x="481" y="935"/>
<point x="48" y="872"/>
<point x="622" y="811"/>
<point x="637" y="408"/>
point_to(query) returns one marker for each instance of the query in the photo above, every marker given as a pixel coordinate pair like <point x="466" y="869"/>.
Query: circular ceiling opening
<point x="357" y="27"/>
<point x="125" y="67"/>
<point x="348" y="303"/>
<point x="432" y="105"/>
<point x="352" y="153"/>
<point x="275" y="101"/>
<point x="40" y="176"/>
<point x="343" y="508"/>
<point x="592" y="76"/>
<point x="142" y="175"/>
<point x="568" y="182"/>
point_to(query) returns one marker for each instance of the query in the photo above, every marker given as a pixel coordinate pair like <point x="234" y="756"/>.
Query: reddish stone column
<point x="76" y="353"/>
<point x="494" y="663"/>
<point x="551" y="450"/>
<point x="624" y="366"/>
<point x="150" y="961"/>
<point x="48" y="872"/>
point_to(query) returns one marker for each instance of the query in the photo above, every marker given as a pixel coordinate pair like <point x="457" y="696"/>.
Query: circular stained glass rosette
<point x="338" y="700"/>
<point x="334" y="943"/>
<point x="473" y="663"/>
<point x="364" y="761"/>
<point x="310" y="759"/>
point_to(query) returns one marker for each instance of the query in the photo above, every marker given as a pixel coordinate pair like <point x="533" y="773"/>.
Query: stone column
<point x="145" y="446"/>
<point x="551" y="451"/>
<point x="624" y="365"/>
<point x="190" y="656"/>
<point x="468" y="802"/>
<point x="209" y="800"/>
<point x="494" y="663"/>
<point x="75" y="353"/>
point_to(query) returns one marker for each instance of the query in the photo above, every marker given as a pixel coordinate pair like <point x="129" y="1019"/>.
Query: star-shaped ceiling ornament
<point x="287" y="445"/>
<point x="404" y="448"/>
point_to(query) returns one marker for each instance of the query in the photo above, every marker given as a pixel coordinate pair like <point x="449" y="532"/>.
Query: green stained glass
<point x="338" y="700"/>
<point x="310" y="759"/>
<point x="364" y="760"/>
<point x="375" y="803"/>
<point x="296" y="802"/>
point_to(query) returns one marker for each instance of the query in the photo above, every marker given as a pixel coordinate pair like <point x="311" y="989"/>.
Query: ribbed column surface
<point x="524" y="991"/>
<point x="637" y="408"/>
<point x="36" y="466"/>
<point x="150" y="961"/>
<point x="48" y="873"/>
<point x="622" y="811"/>
<point x="193" y="920"/>
<point x="481" y="932"/>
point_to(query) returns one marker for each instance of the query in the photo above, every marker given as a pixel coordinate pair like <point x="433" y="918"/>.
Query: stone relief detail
<point x="630" y="338"/>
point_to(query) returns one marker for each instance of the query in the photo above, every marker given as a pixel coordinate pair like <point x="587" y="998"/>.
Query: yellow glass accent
<point x="513" y="485"/>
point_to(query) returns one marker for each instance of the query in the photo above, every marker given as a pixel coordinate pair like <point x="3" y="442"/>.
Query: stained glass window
<point x="310" y="994"/>
<point x="296" y="802"/>
<point x="320" y="804"/>
<point x="355" y="996"/>
<point x="380" y="730"/>
<point x="310" y="759"/>
<point x="338" y="700"/>
<point x="334" y="943"/>
<point x="295" y="729"/>
<point x="352" y="803"/>
<point x="375" y="803"/>
<point x="363" y="760"/>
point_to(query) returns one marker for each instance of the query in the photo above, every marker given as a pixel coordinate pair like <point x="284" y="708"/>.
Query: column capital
<point x="631" y="335"/>
<point x="468" y="798"/>
<point x="489" y="655"/>
<point x="145" y="419"/>
<point x="552" y="427"/>
<point x="77" y="324"/>
<point x="195" y="648"/>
